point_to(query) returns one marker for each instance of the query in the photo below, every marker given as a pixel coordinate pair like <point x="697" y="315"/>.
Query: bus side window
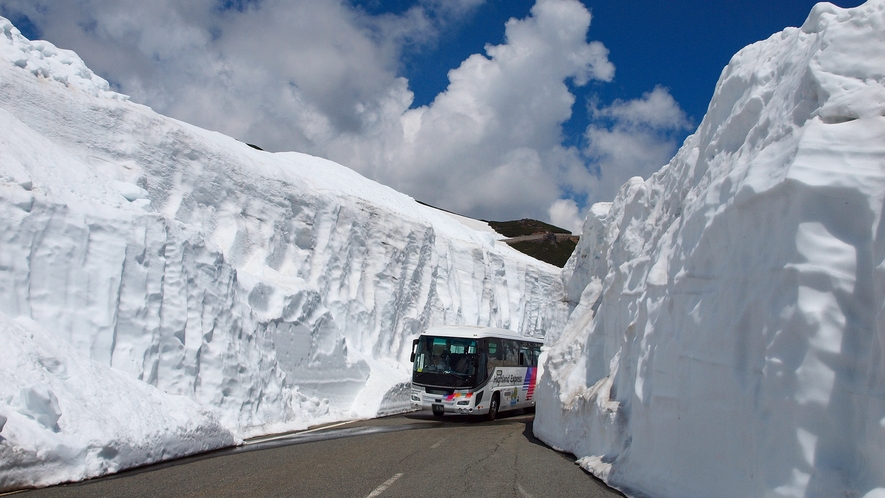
<point x="511" y="353"/>
<point x="496" y="355"/>
<point x="531" y="352"/>
<point x="525" y="354"/>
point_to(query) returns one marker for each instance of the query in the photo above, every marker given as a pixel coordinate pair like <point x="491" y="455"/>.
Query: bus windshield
<point x="448" y="362"/>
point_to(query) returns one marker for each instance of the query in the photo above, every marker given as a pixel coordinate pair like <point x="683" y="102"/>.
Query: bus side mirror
<point x="414" y="348"/>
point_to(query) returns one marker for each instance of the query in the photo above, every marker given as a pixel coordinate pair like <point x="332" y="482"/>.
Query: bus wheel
<point x="438" y="412"/>
<point x="493" y="408"/>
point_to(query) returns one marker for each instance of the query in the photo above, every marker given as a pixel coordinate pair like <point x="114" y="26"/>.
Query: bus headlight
<point x="463" y="403"/>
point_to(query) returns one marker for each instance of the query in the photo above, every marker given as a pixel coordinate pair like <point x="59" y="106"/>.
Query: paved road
<point x="400" y="456"/>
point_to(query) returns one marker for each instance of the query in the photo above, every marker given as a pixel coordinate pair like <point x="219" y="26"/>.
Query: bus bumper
<point x="442" y="403"/>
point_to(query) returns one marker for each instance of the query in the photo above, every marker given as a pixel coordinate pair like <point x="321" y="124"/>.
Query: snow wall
<point x="728" y="334"/>
<point x="165" y="289"/>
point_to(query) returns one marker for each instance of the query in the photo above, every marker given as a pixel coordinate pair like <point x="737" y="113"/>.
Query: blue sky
<point x="547" y="110"/>
<point x="682" y="45"/>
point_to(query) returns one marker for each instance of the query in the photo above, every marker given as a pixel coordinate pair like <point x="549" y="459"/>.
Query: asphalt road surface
<point x="400" y="456"/>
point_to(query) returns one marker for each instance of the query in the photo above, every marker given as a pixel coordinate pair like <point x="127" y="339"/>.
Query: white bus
<point x="473" y="370"/>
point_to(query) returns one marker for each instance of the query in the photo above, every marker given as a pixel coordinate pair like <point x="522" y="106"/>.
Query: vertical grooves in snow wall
<point x="728" y="336"/>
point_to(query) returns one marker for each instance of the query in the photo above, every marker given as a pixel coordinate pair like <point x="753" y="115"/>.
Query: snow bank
<point x="44" y="59"/>
<point x="274" y="291"/>
<point x="67" y="417"/>
<point x="728" y="332"/>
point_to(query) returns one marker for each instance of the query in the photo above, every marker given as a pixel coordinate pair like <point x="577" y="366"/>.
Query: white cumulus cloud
<point x="632" y="138"/>
<point x="287" y="75"/>
<point x="564" y="214"/>
<point x="490" y="144"/>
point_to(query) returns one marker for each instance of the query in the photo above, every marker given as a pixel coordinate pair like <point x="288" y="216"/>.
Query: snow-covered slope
<point x="271" y="290"/>
<point x="728" y="337"/>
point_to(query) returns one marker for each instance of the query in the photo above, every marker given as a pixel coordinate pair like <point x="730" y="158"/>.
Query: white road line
<point x="382" y="488"/>
<point x="436" y="444"/>
<point x="293" y="434"/>
<point x="523" y="491"/>
<point x="325" y="427"/>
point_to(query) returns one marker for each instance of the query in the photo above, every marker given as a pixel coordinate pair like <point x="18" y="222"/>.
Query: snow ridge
<point x="727" y="333"/>
<point x="261" y="291"/>
<point x="44" y="59"/>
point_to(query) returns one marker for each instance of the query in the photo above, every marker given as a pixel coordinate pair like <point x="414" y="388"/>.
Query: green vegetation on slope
<point x="542" y="241"/>
<point x="550" y="250"/>
<point x="539" y="240"/>
<point x="524" y="227"/>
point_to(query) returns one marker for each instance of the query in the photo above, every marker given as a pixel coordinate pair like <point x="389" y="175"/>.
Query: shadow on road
<point x="509" y="417"/>
<point x="529" y="433"/>
<point x="467" y="419"/>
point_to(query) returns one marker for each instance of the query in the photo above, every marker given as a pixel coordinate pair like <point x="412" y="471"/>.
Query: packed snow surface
<point x="728" y="331"/>
<point x="165" y="289"/>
